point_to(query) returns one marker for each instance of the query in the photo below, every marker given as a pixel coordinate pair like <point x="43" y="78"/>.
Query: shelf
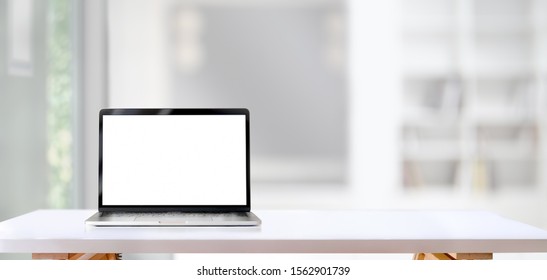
<point x="500" y="119"/>
<point x="484" y="134"/>
<point x="429" y="7"/>
<point x="504" y="24"/>
<point x="429" y="24"/>
<point x="429" y="119"/>
<point x="446" y="189"/>
<point x="432" y="151"/>
<point x="502" y="7"/>
<point x="508" y="152"/>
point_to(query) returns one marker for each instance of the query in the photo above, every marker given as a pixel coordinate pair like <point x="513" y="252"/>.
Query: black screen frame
<point x="176" y="111"/>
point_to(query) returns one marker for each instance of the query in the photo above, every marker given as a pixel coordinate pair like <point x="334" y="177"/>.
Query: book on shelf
<point x="481" y="176"/>
<point x="411" y="176"/>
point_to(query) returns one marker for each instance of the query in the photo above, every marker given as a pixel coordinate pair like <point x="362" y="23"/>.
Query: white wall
<point x="375" y="90"/>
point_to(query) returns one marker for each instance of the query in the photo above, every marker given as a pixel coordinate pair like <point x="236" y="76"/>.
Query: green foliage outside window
<point x="59" y="118"/>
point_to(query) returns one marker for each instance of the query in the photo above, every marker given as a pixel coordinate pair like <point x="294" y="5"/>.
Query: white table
<point x="64" y="231"/>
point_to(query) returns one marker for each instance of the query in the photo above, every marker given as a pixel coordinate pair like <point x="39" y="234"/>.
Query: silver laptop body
<point x="174" y="167"/>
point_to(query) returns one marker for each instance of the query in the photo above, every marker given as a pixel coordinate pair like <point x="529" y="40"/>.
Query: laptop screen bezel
<point x="175" y="111"/>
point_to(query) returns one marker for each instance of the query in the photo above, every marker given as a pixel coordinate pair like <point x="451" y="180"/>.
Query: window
<point x="60" y="96"/>
<point x="36" y="105"/>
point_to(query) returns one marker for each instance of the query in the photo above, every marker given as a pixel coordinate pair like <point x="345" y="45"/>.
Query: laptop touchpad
<point x="175" y="218"/>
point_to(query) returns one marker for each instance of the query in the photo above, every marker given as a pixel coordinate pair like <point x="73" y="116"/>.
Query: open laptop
<point x="174" y="167"/>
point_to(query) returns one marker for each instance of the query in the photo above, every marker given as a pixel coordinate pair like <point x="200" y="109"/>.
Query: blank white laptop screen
<point x="174" y="160"/>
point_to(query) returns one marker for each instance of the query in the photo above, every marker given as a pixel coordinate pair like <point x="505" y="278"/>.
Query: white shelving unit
<point x="475" y="75"/>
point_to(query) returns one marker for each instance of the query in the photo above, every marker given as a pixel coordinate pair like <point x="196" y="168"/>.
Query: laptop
<point x="174" y="167"/>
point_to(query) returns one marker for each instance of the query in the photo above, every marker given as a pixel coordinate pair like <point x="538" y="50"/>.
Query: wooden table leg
<point x="419" y="256"/>
<point x="453" y="256"/>
<point x="76" y="256"/>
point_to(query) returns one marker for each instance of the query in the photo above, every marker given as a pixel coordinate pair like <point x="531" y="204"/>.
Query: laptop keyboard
<point x="188" y="215"/>
<point x="177" y="215"/>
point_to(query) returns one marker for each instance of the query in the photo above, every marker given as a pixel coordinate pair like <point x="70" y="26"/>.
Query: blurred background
<point x="394" y="104"/>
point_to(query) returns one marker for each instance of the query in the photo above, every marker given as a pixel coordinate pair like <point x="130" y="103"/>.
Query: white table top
<point x="64" y="231"/>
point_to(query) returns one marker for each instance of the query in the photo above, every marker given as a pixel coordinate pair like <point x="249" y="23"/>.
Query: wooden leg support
<point x="453" y="256"/>
<point x="76" y="256"/>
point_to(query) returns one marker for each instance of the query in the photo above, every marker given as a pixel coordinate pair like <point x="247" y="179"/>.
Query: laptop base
<point x="172" y="219"/>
